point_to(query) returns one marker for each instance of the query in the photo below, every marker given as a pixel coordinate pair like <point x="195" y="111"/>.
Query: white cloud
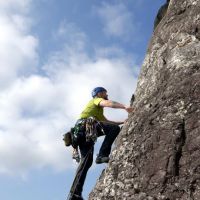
<point x="117" y="20"/>
<point x="32" y="124"/>
<point x="71" y="34"/>
<point x="37" y="109"/>
<point x="14" y="5"/>
<point x="17" y="46"/>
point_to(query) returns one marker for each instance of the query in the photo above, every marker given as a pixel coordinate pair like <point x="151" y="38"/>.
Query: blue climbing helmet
<point x="97" y="90"/>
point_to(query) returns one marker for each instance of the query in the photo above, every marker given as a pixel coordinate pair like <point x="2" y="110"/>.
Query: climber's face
<point x="103" y="95"/>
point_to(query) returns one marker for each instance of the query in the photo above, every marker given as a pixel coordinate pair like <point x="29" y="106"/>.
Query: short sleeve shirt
<point x="93" y="109"/>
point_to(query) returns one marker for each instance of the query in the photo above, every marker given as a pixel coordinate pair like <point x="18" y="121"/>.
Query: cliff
<point x="157" y="154"/>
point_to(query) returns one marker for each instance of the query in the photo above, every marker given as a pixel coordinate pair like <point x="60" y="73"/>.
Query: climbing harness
<point x="91" y="129"/>
<point x="86" y="126"/>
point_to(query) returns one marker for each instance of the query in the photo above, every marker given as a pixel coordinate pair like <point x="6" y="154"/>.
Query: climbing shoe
<point x="101" y="159"/>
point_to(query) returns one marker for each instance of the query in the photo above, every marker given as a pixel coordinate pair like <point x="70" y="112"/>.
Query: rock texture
<point x="157" y="155"/>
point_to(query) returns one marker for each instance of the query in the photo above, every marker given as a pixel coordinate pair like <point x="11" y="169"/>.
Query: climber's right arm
<point x="114" y="104"/>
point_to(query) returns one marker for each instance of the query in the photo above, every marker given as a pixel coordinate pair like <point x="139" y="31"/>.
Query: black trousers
<point x="87" y="148"/>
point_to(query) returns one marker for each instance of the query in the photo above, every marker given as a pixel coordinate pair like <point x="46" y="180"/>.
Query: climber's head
<point x="99" y="92"/>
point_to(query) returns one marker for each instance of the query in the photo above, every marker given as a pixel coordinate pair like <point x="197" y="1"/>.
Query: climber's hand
<point x="129" y="109"/>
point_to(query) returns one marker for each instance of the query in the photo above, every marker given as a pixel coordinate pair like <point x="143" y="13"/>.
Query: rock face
<point x="157" y="154"/>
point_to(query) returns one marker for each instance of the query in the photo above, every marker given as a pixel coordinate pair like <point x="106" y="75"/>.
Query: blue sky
<point x="52" y="54"/>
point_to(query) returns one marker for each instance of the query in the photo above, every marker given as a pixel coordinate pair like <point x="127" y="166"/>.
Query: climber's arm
<point x="114" y="104"/>
<point x="113" y="122"/>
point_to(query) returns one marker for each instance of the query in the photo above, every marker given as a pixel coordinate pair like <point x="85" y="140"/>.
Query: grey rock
<point x="157" y="152"/>
<point x="161" y="13"/>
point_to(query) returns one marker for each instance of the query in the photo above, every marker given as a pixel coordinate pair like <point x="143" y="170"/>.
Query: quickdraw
<point x="90" y="129"/>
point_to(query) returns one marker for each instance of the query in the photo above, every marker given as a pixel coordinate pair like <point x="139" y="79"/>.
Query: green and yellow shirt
<point x="93" y="109"/>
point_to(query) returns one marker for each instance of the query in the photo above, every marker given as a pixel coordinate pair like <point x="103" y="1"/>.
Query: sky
<point x="52" y="54"/>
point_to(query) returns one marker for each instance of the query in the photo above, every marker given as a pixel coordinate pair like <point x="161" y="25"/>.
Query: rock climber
<point x="110" y="129"/>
